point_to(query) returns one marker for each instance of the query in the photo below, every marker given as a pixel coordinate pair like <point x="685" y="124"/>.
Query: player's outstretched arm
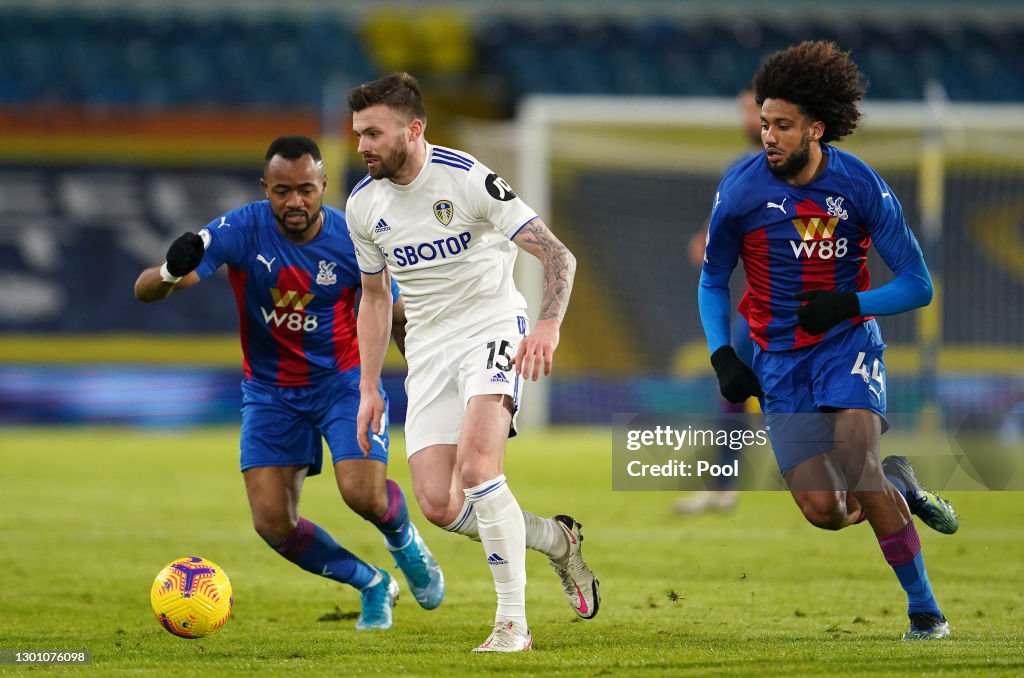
<point x="177" y="271"/>
<point x="373" y="326"/>
<point x="536" y="351"/>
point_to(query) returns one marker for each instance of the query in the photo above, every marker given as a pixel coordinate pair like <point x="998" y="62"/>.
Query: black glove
<point x="185" y="254"/>
<point x="824" y="309"/>
<point x="736" y="381"/>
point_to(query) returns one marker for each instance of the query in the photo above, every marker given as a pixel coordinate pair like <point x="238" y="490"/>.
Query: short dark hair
<point x="399" y="91"/>
<point x="292" y="148"/>
<point x="818" y="77"/>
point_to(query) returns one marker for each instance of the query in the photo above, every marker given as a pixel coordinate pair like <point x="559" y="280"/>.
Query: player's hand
<point x="736" y="381"/>
<point x="371" y="413"/>
<point x="185" y="254"/>
<point x="537" y="351"/>
<point x="826" y="309"/>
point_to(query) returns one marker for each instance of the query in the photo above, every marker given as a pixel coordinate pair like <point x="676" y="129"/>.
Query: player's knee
<point x="824" y="519"/>
<point x="367" y="503"/>
<point x="274" y="529"/>
<point x="479" y="468"/>
<point x="825" y="510"/>
<point x="473" y="476"/>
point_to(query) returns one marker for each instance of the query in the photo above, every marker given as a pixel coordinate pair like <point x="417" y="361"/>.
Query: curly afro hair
<point x="819" y="78"/>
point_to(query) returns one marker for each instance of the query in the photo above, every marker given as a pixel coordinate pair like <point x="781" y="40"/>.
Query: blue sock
<point x="902" y="551"/>
<point x="394" y="524"/>
<point x="312" y="549"/>
<point x="914" y="580"/>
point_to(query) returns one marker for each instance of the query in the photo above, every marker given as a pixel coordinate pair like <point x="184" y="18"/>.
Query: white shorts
<point x="443" y="379"/>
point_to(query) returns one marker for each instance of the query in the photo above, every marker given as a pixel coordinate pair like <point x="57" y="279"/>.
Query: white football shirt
<point x="446" y="238"/>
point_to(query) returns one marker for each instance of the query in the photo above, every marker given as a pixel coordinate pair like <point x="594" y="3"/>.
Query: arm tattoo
<point x="559" y="269"/>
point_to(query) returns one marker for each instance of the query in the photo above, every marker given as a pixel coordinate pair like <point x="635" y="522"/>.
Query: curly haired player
<point x="802" y="216"/>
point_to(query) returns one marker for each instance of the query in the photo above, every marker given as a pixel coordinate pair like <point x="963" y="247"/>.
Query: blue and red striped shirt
<point x="809" y="237"/>
<point x="296" y="303"/>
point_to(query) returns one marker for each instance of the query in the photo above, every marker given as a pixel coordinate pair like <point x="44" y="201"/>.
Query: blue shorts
<point x="801" y="387"/>
<point x="286" y="425"/>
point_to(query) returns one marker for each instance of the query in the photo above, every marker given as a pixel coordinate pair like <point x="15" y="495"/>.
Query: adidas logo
<point x="381" y="226"/>
<point x="495" y="559"/>
<point x="499" y="378"/>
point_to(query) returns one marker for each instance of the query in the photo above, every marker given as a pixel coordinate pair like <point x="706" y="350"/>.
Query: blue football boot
<point x="936" y="512"/>
<point x="377" y="603"/>
<point x="426" y="581"/>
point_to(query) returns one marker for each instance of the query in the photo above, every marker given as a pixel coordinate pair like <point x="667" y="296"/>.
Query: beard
<point x="298" y="229"/>
<point x="388" y="167"/>
<point x="796" y="162"/>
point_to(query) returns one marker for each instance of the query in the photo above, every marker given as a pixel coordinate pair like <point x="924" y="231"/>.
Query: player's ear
<point x="817" y="130"/>
<point x="266" y="188"/>
<point x="416" y="128"/>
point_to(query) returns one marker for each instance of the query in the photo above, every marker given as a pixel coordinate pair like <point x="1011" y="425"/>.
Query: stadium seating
<point x="65" y="56"/>
<point x="82" y="69"/>
<point x="158" y="60"/>
<point x="712" y="57"/>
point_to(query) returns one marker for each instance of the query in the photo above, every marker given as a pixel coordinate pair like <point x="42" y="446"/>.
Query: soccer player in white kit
<point x="446" y="228"/>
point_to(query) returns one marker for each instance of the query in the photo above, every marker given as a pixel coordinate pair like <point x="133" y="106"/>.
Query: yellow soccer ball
<point x="191" y="597"/>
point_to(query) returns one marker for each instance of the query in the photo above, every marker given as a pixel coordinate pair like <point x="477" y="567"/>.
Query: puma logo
<point x="781" y="206"/>
<point x="260" y="258"/>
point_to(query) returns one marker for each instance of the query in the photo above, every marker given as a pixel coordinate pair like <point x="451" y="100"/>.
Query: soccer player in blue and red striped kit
<point x="802" y="216"/>
<point x="293" y="270"/>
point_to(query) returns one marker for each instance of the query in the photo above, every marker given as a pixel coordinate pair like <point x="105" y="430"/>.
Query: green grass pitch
<point x="90" y="515"/>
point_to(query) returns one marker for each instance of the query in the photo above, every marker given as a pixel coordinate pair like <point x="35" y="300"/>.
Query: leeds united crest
<point x="444" y="211"/>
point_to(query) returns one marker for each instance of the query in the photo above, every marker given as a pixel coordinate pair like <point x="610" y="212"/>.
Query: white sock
<point x="542" y="534"/>
<point x="465" y="523"/>
<point x="503" y="534"/>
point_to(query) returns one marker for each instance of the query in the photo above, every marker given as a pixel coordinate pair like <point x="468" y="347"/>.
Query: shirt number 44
<point x="876" y="375"/>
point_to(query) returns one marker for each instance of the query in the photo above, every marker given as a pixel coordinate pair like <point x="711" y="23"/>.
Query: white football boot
<point x="507" y="636"/>
<point x="578" y="582"/>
